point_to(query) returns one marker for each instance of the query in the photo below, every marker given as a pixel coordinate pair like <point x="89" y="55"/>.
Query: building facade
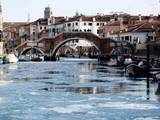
<point x="78" y="24"/>
<point x="12" y="34"/>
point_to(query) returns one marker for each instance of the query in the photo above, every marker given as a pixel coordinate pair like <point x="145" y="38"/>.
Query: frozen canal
<point x="73" y="90"/>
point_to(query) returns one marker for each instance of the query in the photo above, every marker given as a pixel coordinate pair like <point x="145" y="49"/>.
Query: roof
<point x="146" y="26"/>
<point x="59" y="20"/>
<point x="14" y="24"/>
<point x="41" y="21"/>
<point x="143" y="26"/>
<point x="89" y="18"/>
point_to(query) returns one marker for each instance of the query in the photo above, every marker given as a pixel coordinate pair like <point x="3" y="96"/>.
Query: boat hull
<point x="135" y="71"/>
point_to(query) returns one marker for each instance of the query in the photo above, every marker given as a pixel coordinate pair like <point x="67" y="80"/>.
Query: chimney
<point x="140" y="17"/>
<point x="67" y="18"/>
<point x="80" y="19"/>
<point x="94" y="19"/>
<point x="151" y="18"/>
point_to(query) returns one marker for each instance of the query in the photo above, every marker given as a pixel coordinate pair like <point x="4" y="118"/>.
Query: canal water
<point x="74" y="90"/>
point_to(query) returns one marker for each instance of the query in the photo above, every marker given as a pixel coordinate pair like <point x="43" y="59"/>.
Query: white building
<point x="137" y="33"/>
<point x="78" y="24"/>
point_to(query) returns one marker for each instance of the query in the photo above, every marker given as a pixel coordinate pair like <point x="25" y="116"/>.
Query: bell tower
<point x="47" y="12"/>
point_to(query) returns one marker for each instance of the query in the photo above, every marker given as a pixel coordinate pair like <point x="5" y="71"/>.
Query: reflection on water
<point x="74" y="91"/>
<point x="82" y="90"/>
<point x="3" y="79"/>
<point x="158" y="89"/>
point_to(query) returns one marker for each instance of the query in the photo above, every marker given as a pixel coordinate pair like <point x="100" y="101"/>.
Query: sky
<point x="19" y="10"/>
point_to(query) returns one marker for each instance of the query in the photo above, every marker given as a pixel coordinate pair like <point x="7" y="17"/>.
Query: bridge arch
<point x="30" y="48"/>
<point x="52" y="45"/>
<point x="57" y="47"/>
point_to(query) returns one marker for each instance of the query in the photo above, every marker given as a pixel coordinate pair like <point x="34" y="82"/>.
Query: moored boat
<point x="134" y="70"/>
<point x="11" y="58"/>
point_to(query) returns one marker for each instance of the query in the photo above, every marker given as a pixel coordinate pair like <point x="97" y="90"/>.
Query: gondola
<point x="134" y="70"/>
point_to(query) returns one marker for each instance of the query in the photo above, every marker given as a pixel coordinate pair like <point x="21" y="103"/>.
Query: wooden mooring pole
<point x="148" y="67"/>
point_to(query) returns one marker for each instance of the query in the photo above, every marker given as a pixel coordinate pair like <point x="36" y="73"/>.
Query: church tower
<point x="47" y="12"/>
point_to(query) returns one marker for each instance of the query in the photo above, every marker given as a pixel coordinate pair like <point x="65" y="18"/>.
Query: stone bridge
<point x="50" y="46"/>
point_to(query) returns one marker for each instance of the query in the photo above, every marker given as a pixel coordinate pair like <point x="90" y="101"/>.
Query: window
<point x="102" y="24"/>
<point x="57" y="30"/>
<point x="127" y="38"/>
<point x="90" y="24"/>
<point x="73" y="24"/>
<point x="97" y="24"/>
<point x="84" y="30"/>
<point x="76" y="23"/>
<point x="76" y="30"/>
<point x="45" y="28"/>
<point x="41" y="28"/>
<point x="122" y="38"/>
<point x="73" y="30"/>
<point x="76" y="41"/>
<point x="88" y="30"/>
<point x="84" y="24"/>
<point x="53" y="30"/>
<point x="130" y="38"/>
<point x="98" y="31"/>
<point x="69" y="24"/>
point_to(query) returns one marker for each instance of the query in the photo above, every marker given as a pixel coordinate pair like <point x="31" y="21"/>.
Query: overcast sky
<point x="18" y="10"/>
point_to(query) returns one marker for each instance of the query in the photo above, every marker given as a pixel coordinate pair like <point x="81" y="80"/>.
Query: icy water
<point x="74" y="90"/>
